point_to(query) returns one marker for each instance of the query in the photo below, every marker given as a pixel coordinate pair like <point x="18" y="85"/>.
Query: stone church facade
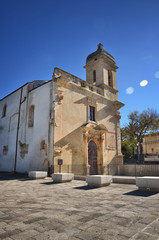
<point x="67" y="119"/>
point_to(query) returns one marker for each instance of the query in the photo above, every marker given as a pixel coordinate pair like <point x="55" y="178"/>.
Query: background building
<point x="151" y="147"/>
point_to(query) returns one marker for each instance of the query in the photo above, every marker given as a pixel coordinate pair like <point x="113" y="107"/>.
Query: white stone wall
<point x="8" y="130"/>
<point x="34" y="144"/>
<point x="36" y="158"/>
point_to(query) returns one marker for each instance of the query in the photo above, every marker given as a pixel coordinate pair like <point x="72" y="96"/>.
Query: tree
<point x="128" y="144"/>
<point x="139" y="125"/>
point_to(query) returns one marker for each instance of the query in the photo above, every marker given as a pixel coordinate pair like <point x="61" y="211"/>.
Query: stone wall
<point x="26" y="144"/>
<point x="8" y="130"/>
<point x="73" y="129"/>
<point x="139" y="170"/>
<point x="151" y="144"/>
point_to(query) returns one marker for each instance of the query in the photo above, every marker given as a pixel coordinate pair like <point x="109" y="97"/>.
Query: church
<point x="64" y="124"/>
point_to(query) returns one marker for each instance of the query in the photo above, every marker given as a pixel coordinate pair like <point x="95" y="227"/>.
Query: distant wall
<point x="139" y="170"/>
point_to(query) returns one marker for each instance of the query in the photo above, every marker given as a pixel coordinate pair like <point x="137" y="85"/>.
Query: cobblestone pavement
<point x="39" y="209"/>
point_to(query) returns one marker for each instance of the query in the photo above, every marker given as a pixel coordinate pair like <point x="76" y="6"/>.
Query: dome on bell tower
<point x="101" y="68"/>
<point x="100" y="53"/>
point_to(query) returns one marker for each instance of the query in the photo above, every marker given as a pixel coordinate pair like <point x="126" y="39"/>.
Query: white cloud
<point x="157" y="75"/>
<point x="143" y="83"/>
<point x="129" y="90"/>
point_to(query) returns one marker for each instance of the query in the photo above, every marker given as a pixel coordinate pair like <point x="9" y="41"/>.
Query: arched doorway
<point x="92" y="157"/>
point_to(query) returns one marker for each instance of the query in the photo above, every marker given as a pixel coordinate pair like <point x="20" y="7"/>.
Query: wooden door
<point x="92" y="157"/>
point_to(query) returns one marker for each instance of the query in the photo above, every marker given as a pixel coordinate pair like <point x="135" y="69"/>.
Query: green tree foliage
<point x="139" y="125"/>
<point x="128" y="144"/>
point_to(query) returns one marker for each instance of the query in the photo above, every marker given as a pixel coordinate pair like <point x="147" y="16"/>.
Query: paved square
<point x="39" y="209"/>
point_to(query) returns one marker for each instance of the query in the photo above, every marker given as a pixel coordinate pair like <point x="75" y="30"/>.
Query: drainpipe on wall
<point x="16" y="149"/>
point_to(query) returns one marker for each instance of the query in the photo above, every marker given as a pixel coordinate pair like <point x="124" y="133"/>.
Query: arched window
<point x="4" y="110"/>
<point x="110" y="78"/>
<point x="31" y="116"/>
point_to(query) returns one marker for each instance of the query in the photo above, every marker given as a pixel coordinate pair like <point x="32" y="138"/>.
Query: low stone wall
<point x="139" y="170"/>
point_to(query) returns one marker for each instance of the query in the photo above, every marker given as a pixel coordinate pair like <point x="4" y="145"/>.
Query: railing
<point x="141" y="159"/>
<point x="86" y="85"/>
<point x="139" y="169"/>
<point x="79" y="82"/>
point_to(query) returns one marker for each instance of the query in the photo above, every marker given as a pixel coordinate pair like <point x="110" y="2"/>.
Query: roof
<point x="99" y="53"/>
<point x="31" y="85"/>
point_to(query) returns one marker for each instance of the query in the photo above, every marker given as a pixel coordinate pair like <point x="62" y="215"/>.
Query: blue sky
<point x="38" y="35"/>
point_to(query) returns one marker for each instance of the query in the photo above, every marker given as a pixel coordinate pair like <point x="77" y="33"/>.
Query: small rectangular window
<point x="94" y="76"/>
<point x="110" y="78"/>
<point x="91" y="113"/>
<point x="4" y="110"/>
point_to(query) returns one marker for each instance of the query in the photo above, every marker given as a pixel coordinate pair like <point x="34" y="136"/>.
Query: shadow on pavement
<point x="50" y="183"/>
<point x="13" y="176"/>
<point x="86" y="187"/>
<point x="26" y="179"/>
<point x="139" y="193"/>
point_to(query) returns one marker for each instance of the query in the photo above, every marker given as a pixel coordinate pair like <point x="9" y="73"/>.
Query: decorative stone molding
<point x="5" y="150"/>
<point x="59" y="98"/>
<point x="57" y="152"/>
<point x="117" y="115"/>
<point x="56" y="76"/>
<point x="23" y="148"/>
<point x="118" y="105"/>
<point x="92" y="101"/>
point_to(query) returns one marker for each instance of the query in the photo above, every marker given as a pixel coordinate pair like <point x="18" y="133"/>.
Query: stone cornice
<point x="105" y="86"/>
<point x="118" y="105"/>
<point x="102" y="60"/>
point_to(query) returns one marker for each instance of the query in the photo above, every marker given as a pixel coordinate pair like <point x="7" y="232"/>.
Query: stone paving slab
<point x="41" y="209"/>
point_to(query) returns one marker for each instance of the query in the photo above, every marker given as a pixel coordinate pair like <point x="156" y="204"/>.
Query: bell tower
<point x="101" y="69"/>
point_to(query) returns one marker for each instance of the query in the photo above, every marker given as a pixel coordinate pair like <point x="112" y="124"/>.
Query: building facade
<point x="64" y="120"/>
<point x="151" y="144"/>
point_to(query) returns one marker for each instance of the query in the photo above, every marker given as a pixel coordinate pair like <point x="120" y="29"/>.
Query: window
<point x="31" y="116"/>
<point x="91" y="109"/>
<point x="94" y="76"/>
<point x="91" y="113"/>
<point x="110" y="78"/>
<point x="4" y="110"/>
